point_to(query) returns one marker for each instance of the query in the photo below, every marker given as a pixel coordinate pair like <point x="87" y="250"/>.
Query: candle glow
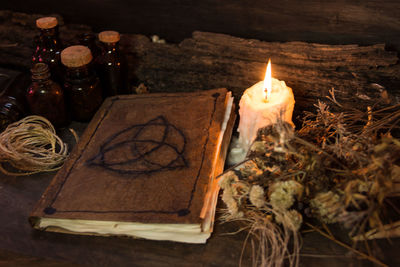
<point x="267" y="82"/>
<point x="263" y="104"/>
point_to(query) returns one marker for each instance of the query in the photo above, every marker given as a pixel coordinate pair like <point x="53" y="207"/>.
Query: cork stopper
<point x="76" y="56"/>
<point x="109" y="36"/>
<point x="46" y="22"/>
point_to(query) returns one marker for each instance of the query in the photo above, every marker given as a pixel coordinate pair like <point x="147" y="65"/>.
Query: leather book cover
<point x="143" y="158"/>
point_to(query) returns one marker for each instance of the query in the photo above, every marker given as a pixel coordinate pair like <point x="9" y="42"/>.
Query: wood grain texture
<point x="331" y="21"/>
<point x="18" y="240"/>
<point x="17" y="31"/>
<point x="8" y="258"/>
<point x="209" y="60"/>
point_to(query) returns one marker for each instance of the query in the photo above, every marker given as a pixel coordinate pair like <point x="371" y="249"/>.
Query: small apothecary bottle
<point x="82" y="86"/>
<point x="111" y="64"/>
<point x="12" y="101"/>
<point x="48" y="46"/>
<point x="89" y="40"/>
<point x="45" y="97"/>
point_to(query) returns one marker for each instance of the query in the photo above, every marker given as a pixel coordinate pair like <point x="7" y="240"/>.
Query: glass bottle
<point x="82" y="86"/>
<point x="12" y="101"/>
<point x="48" y="46"/>
<point x="112" y="67"/>
<point x="89" y="40"/>
<point x="45" y="97"/>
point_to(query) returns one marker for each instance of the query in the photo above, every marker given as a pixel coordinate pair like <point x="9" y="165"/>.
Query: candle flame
<point x="267" y="82"/>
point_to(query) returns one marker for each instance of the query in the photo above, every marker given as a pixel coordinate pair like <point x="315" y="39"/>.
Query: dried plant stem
<point x="392" y="205"/>
<point x="327" y="229"/>
<point x="368" y="247"/>
<point x="307" y="231"/>
<point x="342" y="164"/>
<point x="316" y="148"/>
<point x="322" y="255"/>
<point x="332" y="238"/>
<point x="270" y="241"/>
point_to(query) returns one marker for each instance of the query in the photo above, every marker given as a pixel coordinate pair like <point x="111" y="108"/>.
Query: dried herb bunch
<point x="338" y="168"/>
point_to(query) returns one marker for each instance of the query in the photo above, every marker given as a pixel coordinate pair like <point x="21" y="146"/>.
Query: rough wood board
<point x="329" y="21"/>
<point x="209" y="60"/>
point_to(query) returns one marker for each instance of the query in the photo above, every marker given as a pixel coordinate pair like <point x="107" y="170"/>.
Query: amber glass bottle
<point x="89" y="40"/>
<point x="112" y="67"/>
<point x="45" y="97"/>
<point x="12" y="101"/>
<point x="82" y="86"/>
<point x="48" y="47"/>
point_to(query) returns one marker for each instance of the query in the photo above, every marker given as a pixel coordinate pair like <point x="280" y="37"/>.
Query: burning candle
<point x="261" y="105"/>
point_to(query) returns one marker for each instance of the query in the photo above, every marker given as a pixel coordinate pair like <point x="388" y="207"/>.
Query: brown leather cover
<point x="143" y="158"/>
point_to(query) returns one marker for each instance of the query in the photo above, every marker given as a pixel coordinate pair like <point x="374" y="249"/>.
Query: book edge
<point x="209" y="214"/>
<point x="190" y="233"/>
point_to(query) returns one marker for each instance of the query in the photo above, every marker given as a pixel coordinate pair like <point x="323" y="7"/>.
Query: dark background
<point x="331" y="21"/>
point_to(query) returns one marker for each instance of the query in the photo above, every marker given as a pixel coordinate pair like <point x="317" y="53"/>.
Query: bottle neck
<point x="11" y="109"/>
<point x="41" y="80"/>
<point x="50" y="37"/>
<point x="12" y="100"/>
<point x="52" y="32"/>
<point x="78" y="72"/>
<point x="111" y="47"/>
<point x="87" y="39"/>
<point x="40" y="72"/>
<point x="41" y="77"/>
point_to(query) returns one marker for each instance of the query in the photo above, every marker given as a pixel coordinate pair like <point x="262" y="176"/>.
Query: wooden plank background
<point x="359" y="74"/>
<point x="330" y="21"/>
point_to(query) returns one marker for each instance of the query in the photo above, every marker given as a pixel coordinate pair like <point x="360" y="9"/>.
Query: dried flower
<point x="291" y="218"/>
<point x="258" y="147"/>
<point x="227" y="179"/>
<point x="266" y="165"/>
<point x="327" y="206"/>
<point x="156" y="39"/>
<point x="249" y="169"/>
<point x="233" y="192"/>
<point x="141" y="89"/>
<point x="283" y="194"/>
<point x="257" y="196"/>
<point x="231" y="203"/>
<point x="346" y="170"/>
<point x="296" y="218"/>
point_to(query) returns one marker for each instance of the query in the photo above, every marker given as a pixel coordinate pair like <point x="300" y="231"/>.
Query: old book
<point x="144" y="167"/>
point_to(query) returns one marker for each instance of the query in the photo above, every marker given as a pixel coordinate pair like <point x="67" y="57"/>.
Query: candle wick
<point x="265" y="98"/>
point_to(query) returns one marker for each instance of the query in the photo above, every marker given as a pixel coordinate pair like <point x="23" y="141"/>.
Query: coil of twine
<point x="29" y="146"/>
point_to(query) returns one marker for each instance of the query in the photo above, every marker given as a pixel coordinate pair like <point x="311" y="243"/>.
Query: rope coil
<point x="31" y="145"/>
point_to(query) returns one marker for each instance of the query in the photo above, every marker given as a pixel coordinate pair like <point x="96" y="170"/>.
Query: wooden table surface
<point x="20" y="245"/>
